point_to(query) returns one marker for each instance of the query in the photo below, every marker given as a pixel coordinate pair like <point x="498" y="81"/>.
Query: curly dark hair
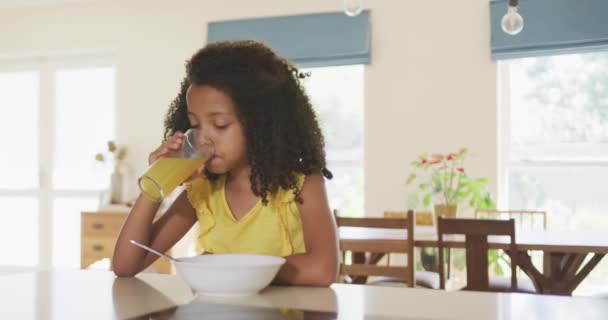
<point x="281" y="128"/>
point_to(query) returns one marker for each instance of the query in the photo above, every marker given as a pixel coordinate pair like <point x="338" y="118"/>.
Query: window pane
<point x="558" y="109"/>
<point x="345" y="190"/>
<point x="66" y="229"/>
<point x="574" y="197"/>
<point x="337" y="96"/>
<point x="25" y="301"/>
<point x="19" y="232"/>
<point x="560" y="104"/>
<point x="85" y="104"/>
<point x="19" y="104"/>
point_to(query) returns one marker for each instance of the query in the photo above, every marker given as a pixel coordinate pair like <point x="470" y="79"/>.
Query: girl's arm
<point x="128" y="260"/>
<point x="319" y="265"/>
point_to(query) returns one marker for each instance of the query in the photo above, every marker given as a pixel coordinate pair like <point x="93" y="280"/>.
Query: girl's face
<point x="214" y="114"/>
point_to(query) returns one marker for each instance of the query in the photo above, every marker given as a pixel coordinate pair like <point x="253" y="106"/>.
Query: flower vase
<point x="449" y="211"/>
<point x="119" y="183"/>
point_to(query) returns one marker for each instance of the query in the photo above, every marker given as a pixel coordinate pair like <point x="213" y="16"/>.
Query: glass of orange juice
<point x="166" y="173"/>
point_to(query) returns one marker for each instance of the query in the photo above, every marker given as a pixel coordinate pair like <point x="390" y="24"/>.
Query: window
<point x="56" y="115"/>
<point x="336" y="93"/>
<point x="554" y="141"/>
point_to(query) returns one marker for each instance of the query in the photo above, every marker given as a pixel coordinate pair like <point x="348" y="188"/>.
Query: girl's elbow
<point x="326" y="275"/>
<point x="123" y="271"/>
<point x="326" y="280"/>
<point x="122" y="274"/>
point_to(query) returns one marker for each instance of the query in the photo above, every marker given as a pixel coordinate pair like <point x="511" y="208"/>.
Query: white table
<point x="89" y="294"/>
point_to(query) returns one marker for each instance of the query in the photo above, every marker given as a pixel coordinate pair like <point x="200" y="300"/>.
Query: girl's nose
<point x="204" y="137"/>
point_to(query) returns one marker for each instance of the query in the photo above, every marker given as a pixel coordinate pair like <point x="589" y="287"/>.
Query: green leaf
<point x="412" y="200"/>
<point x="461" y="195"/>
<point x="424" y="186"/>
<point x="427" y="200"/>
<point x="494" y="262"/>
<point x="488" y="202"/>
<point x="437" y="184"/>
<point x="410" y="178"/>
<point x="481" y="180"/>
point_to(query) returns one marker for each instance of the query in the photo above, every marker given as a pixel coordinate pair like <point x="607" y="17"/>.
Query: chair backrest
<point x="476" y="232"/>
<point x="362" y="267"/>
<point x="423" y="218"/>
<point x="524" y="219"/>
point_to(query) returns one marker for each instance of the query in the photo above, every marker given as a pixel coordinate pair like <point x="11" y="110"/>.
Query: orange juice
<point x="166" y="174"/>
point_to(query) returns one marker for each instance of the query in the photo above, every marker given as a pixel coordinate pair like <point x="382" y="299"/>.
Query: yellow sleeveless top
<point x="273" y="229"/>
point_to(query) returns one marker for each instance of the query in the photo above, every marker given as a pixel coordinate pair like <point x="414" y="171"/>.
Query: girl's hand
<point x="169" y="148"/>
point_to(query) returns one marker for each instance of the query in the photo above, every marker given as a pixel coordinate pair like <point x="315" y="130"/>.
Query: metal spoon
<point x="153" y="251"/>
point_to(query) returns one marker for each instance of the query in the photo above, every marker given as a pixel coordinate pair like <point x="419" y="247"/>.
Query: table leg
<point x="359" y="258"/>
<point x="562" y="272"/>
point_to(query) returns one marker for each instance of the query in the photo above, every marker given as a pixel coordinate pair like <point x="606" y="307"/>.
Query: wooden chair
<point x="528" y="220"/>
<point x="363" y="267"/>
<point x="422" y="218"/>
<point x="429" y="277"/>
<point x="476" y="234"/>
<point x="524" y="219"/>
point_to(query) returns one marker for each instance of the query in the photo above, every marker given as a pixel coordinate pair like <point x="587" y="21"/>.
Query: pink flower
<point x="461" y="170"/>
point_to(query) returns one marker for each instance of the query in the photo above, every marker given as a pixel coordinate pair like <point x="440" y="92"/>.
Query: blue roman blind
<point x="310" y="40"/>
<point x="551" y="27"/>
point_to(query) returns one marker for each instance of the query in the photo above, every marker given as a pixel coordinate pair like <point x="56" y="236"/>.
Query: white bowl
<point x="228" y="274"/>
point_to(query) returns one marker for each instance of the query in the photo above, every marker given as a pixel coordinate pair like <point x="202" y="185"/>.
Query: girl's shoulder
<point x="285" y="196"/>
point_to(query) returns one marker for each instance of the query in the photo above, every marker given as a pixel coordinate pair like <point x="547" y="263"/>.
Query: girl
<point x="263" y="190"/>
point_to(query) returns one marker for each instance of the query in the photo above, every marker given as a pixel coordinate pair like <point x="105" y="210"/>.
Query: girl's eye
<point x="220" y="127"/>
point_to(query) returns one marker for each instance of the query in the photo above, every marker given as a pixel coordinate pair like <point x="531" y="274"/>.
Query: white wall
<point x="431" y="85"/>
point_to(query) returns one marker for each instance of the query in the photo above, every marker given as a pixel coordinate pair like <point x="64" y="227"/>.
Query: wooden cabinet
<point x="99" y="230"/>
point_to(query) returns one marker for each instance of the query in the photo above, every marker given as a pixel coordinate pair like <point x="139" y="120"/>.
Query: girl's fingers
<point x="173" y="144"/>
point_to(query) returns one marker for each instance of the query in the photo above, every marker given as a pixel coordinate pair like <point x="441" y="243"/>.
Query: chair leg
<point x="449" y="256"/>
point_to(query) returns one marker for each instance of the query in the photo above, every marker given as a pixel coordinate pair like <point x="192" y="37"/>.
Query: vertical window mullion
<point x="504" y="133"/>
<point x="45" y="198"/>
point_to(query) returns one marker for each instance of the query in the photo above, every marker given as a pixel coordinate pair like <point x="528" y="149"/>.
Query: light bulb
<point x="512" y="22"/>
<point x="353" y="7"/>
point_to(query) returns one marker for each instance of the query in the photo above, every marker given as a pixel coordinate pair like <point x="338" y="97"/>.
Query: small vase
<point x="449" y="211"/>
<point x="119" y="183"/>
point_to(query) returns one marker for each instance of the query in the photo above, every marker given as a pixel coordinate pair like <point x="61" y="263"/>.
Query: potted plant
<point x="442" y="179"/>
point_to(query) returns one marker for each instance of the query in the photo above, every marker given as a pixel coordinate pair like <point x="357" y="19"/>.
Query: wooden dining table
<point x="98" y="294"/>
<point x="568" y="256"/>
